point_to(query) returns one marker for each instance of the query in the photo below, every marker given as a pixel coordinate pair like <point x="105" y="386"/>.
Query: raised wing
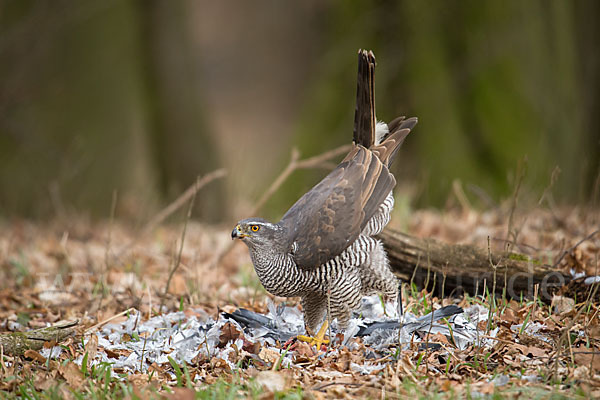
<point x="330" y="217"/>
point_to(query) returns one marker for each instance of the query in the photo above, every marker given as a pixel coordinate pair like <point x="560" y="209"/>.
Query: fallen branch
<point x="17" y="343"/>
<point x="467" y="267"/>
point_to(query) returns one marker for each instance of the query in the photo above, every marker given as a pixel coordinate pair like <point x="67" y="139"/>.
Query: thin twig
<point x="294" y="164"/>
<point x="106" y="321"/>
<point x="175" y="205"/>
<point x="428" y="268"/>
<point x="588" y="237"/>
<point x="459" y="192"/>
<point x="493" y="307"/>
<point x="142" y="357"/>
<point x="182" y="240"/>
<point x="521" y="171"/>
<point x="113" y="207"/>
<point x="103" y="284"/>
<point x="568" y="328"/>
<point x="328" y="384"/>
<point x="444" y="274"/>
<point x="181" y="200"/>
<point x="414" y="274"/>
<point x="291" y="167"/>
<point x="428" y="334"/>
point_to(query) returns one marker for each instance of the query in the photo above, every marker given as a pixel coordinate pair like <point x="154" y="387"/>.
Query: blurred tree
<point x="183" y="147"/>
<point x="96" y="97"/>
<point x="491" y="83"/>
<point x="72" y="118"/>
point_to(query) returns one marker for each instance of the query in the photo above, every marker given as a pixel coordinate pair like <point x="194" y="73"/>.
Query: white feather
<point x="381" y="129"/>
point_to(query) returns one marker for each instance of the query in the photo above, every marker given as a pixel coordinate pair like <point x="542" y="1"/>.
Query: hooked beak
<point x="237" y="233"/>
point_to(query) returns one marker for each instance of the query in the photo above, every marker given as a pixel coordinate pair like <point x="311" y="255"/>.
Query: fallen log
<point x="17" y="343"/>
<point x="456" y="268"/>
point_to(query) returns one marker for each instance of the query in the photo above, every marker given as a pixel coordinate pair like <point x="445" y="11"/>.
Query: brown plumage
<point x="325" y="240"/>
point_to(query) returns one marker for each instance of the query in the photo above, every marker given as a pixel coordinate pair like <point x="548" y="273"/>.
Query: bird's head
<point x="256" y="232"/>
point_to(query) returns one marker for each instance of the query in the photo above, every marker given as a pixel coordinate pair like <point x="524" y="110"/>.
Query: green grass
<point x="100" y="385"/>
<point x="101" y="382"/>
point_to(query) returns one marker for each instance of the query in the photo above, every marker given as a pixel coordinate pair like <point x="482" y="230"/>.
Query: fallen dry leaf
<point x="269" y="355"/>
<point x="92" y="346"/>
<point x="273" y="381"/>
<point x="139" y="380"/>
<point x="72" y="374"/>
<point x="34" y="355"/>
<point x="303" y="351"/>
<point x="178" y="285"/>
<point x="562" y="304"/>
<point x="529" y="350"/>
<point x="180" y="393"/>
<point x="229" y="333"/>
<point x="42" y="382"/>
<point x="587" y="359"/>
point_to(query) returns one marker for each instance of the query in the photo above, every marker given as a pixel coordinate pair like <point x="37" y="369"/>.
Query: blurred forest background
<point x="142" y="96"/>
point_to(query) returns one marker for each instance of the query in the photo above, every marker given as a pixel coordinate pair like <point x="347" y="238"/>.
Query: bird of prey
<point x="323" y="249"/>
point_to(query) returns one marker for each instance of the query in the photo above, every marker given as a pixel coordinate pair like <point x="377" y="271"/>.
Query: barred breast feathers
<point x="381" y="218"/>
<point x="282" y="277"/>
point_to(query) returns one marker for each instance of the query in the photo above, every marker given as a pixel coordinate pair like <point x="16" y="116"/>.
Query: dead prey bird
<point x="323" y="249"/>
<point x="261" y="325"/>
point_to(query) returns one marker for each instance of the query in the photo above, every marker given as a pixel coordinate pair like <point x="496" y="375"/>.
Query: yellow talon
<point x="318" y="339"/>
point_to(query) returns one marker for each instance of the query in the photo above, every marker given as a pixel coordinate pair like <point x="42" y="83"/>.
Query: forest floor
<point x="104" y="274"/>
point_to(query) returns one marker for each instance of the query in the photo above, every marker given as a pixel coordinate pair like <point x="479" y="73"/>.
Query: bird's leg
<point x="318" y="339"/>
<point x="314" y="306"/>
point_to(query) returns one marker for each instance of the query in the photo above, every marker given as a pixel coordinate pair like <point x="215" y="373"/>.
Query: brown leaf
<point x="139" y="380"/>
<point x="34" y="355"/>
<point x="269" y="355"/>
<point x="444" y="384"/>
<point x="250" y="347"/>
<point x="585" y="359"/>
<point x="304" y="351"/>
<point x="530" y="350"/>
<point x="72" y="374"/>
<point x="562" y="305"/>
<point x="273" y="381"/>
<point x="439" y="338"/>
<point x="42" y="383"/>
<point x="229" y="333"/>
<point x="112" y="354"/>
<point x="486" y="388"/>
<point x="180" y="393"/>
<point x="178" y="285"/>
<point x="91" y="347"/>
<point x="511" y="317"/>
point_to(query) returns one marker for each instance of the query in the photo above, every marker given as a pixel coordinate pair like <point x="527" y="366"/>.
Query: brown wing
<point x="386" y="151"/>
<point x="329" y="218"/>
<point x="364" y="114"/>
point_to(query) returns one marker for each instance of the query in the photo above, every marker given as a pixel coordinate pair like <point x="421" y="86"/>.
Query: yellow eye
<point x="255" y="228"/>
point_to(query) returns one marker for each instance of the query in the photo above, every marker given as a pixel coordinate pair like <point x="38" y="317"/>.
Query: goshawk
<point x="325" y="242"/>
